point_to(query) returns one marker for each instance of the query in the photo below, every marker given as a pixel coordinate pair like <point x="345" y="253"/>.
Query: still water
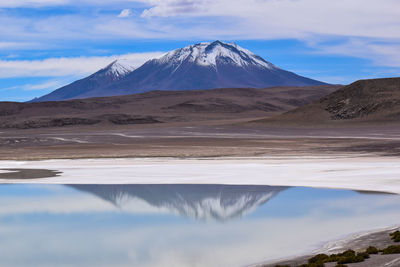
<point x="178" y="225"/>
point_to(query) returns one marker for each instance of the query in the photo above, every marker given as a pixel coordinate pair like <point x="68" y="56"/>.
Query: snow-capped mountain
<point x="205" y="66"/>
<point x="198" y="66"/>
<point x="200" y="202"/>
<point x="214" y="54"/>
<point x="102" y="78"/>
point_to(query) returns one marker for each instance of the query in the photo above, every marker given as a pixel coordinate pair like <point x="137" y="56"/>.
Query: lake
<point x="179" y="225"/>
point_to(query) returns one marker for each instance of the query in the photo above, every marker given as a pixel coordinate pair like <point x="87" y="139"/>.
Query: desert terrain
<point x="327" y="133"/>
<point x="213" y="123"/>
<point x="209" y="123"/>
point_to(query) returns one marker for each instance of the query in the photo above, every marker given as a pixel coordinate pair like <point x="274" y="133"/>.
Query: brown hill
<point x="376" y="100"/>
<point x="161" y="107"/>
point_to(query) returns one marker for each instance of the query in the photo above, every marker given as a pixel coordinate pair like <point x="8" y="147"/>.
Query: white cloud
<point x="292" y="18"/>
<point x="236" y="19"/>
<point x="42" y="86"/>
<point x="381" y="53"/>
<point x="307" y="20"/>
<point x="167" y="8"/>
<point x="55" y="67"/>
<point x="253" y="18"/>
<point x="24" y="3"/>
<point x="50" y="84"/>
<point x="16" y="45"/>
<point x="125" y="13"/>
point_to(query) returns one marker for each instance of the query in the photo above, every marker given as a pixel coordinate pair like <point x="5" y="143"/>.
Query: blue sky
<point x="45" y="44"/>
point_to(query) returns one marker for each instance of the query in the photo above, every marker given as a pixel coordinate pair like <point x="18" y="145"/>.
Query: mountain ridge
<point x="195" y="67"/>
<point x="160" y="106"/>
<point x="369" y="100"/>
<point x="105" y="76"/>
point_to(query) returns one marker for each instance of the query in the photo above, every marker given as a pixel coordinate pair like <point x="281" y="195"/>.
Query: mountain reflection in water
<point x="200" y="202"/>
<point x="178" y="225"/>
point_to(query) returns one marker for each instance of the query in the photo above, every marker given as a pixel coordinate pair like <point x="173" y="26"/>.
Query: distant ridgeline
<point x="195" y="67"/>
<point x="374" y="100"/>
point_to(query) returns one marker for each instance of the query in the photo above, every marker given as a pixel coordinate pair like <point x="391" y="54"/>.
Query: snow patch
<point x="209" y="54"/>
<point x="120" y="68"/>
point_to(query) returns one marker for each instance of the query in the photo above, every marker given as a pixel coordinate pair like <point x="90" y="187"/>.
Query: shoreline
<point x="356" y="172"/>
<point x="335" y="171"/>
<point x="356" y="241"/>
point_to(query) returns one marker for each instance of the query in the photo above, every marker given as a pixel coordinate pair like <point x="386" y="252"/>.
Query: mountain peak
<point x="215" y="53"/>
<point x="199" y="66"/>
<point x="113" y="72"/>
<point x="118" y="68"/>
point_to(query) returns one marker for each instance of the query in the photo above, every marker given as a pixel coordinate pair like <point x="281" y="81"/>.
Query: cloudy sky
<point x="45" y="44"/>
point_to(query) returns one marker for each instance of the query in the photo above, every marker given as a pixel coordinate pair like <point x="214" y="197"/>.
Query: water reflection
<point x="218" y="202"/>
<point x="137" y="225"/>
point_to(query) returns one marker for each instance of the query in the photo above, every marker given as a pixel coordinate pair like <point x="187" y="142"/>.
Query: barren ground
<point x="201" y="139"/>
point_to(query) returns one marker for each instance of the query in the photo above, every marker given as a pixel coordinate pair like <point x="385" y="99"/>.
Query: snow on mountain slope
<point x="195" y="67"/>
<point x="104" y="77"/>
<point x="205" y="66"/>
<point x="207" y="54"/>
<point x="119" y="68"/>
